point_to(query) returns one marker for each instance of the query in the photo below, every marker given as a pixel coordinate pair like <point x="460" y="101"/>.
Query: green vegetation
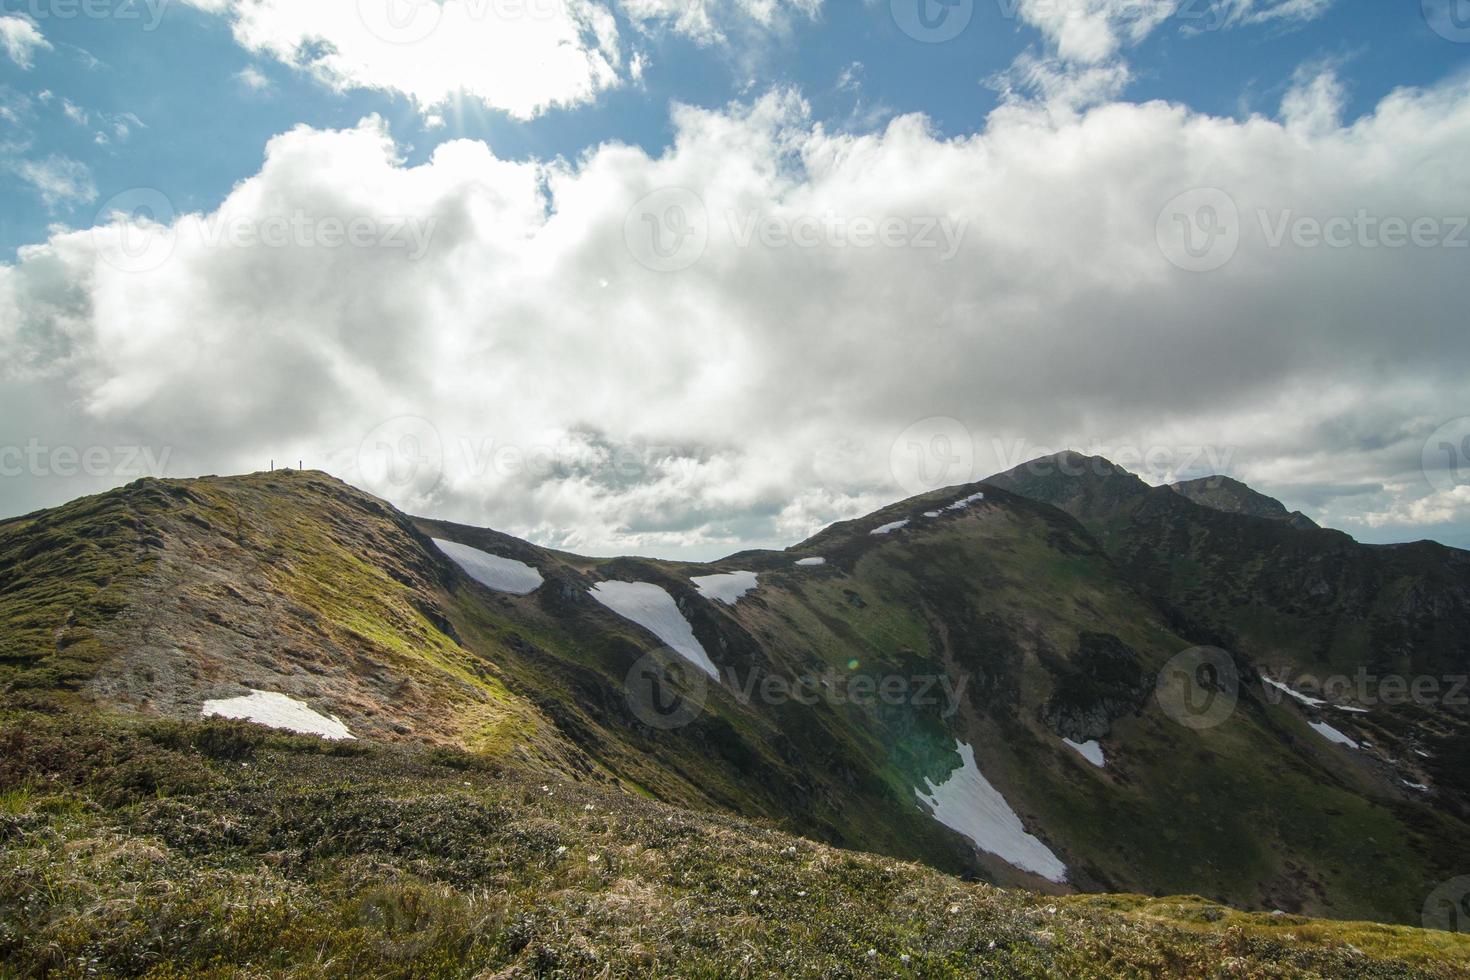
<point x="217" y="849"/>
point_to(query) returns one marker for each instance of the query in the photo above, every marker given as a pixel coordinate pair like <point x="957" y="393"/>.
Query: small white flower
<point x="954" y="910"/>
<point x="801" y="894"/>
<point x="755" y="893"/>
<point x="872" y="954"/>
<point x="593" y="858"/>
<point x="588" y="808"/>
<point x="904" y="958"/>
<point x="561" y="850"/>
<point x="992" y="944"/>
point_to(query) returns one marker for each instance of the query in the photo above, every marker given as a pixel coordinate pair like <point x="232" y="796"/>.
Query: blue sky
<point x="202" y="129"/>
<point x="1035" y="160"/>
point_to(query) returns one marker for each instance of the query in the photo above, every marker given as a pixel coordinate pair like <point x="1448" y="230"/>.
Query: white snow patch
<point x="1422" y="754"/>
<point x="1304" y="699"/>
<point x="967" y="803"/>
<point x="655" y="610"/>
<point x="1350" y="709"/>
<point x="962" y="504"/>
<point x="1091" y="751"/>
<point x="933" y="513"/>
<point x="727" y="588"/>
<point x="811" y="562"/>
<point x="890" y="528"/>
<point x="1332" y="734"/>
<point x="492" y="571"/>
<point x="1419" y="786"/>
<point x="277" y="711"/>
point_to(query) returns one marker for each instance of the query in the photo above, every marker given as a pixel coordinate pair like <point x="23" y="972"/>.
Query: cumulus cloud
<point x="520" y="56"/>
<point x="749" y="335"/>
<point x="20" y="39"/>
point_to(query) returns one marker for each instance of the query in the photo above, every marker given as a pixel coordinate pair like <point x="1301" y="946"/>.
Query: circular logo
<point x="1199" y="688"/>
<point x="668" y="230"/>
<point x="932" y="21"/>
<point x="1448" y="906"/>
<point x="665" y="691"/>
<point x="1446" y="457"/>
<point x="1450" y="19"/>
<point x="1199" y="231"/>
<point x="400" y="21"/>
<point x="933" y="453"/>
<point x="134" y="230"/>
<point x="402" y="457"/>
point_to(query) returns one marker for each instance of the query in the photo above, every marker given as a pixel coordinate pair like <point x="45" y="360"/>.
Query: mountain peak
<point x="1229" y="495"/>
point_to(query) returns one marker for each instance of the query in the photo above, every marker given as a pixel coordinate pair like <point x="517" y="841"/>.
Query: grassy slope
<point x="1258" y="813"/>
<point x="213" y="849"/>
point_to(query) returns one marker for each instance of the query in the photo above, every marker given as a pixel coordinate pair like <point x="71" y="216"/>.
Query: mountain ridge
<point x="298" y="583"/>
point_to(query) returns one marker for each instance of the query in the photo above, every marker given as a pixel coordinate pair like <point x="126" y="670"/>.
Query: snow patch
<point x="968" y="804"/>
<point x="890" y="528"/>
<point x="1419" y="786"/>
<point x="1304" y="699"/>
<point x="811" y="562"/>
<point x="655" y="610"/>
<point x="933" y="513"/>
<point x="492" y="571"/>
<point x="1350" y="709"/>
<point x="962" y="504"/>
<point x="1332" y="734"/>
<point x="1091" y="751"/>
<point x="727" y="588"/>
<point x="277" y="711"/>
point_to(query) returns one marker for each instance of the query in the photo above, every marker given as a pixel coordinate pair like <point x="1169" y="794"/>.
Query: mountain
<point x="968" y="679"/>
<point x="1306" y="604"/>
<point x="1234" y="497"/>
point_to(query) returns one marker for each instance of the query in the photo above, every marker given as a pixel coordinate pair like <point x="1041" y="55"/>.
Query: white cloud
<point x="709" y="21"/>
<point x="21" y="39"/>
<point x="520" y="56"/>
<point x="582" y="399"/>
<point x="253" y="79"/>
<point x="1093" y="31"/>
<point x="57" y="179"/>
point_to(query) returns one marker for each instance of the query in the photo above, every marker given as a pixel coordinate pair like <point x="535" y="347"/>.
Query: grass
<point x="264" y="854"/>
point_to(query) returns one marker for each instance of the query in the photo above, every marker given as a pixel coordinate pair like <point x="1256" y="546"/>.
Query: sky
<point x="682" y="277"/>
